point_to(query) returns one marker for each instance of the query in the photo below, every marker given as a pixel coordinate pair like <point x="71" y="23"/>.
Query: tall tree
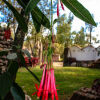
<point x="64" y="30"/>
<point x="90" y="28"/>
<point x="64" y="35"/>
<point x="80" y="38"/>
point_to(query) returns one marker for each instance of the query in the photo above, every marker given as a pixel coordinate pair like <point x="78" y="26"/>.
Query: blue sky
<point x="1" y="16"/>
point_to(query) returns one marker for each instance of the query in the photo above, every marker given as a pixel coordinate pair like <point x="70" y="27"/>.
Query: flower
<point x="42" y="82"/>
<point x="7" y="34"/>
<point x="47" y="88"/>
<point x="58" y="7"/>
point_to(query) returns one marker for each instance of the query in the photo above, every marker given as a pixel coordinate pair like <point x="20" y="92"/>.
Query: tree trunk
<point x="20" y="35"/>
<point x="19" y="38"/>
<point x="66" y="56"/>
<point x="90" y="37"/>
<point x="41" y="52"/>
<point x="31" y="49"/>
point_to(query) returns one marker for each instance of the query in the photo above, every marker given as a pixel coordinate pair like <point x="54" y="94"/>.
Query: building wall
<point x="98" y="53"/>
<point x="86" y="54"/>
<point x="89" y="53"/>
<point x="74" y="52"/>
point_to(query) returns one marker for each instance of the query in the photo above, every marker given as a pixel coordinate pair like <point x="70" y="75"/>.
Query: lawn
<point x="68" y="80"/>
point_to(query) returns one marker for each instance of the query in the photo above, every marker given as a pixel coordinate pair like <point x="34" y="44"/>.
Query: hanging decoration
<point x="62" y="6"/>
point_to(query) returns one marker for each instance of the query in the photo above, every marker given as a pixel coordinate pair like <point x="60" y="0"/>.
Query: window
<point x="98" y="53"/>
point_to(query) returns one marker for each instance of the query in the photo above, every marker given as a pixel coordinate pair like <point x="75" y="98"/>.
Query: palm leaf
<point x="32" y="4"/>
<point x="20" y="19"/>
<point x="79" y="10"/>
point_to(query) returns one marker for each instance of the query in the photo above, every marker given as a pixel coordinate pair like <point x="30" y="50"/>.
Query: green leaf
<point x="5" y="84"/>
<point x="32" y="4"/>
<point x="40" y="17"/>
<point x="20" y="19"/>
<point x="20" y="2"/>
<point x="3" y="52"/>
<point x="36" y="23"/>
<point x="33" y="75"/>
<point x="12" y="56"/>
<point x="13" y="68"/>
<point x="25" y="1"/>
<point x="17" y="92"/>
<point x="22" y="60"/>
<point x="55" y="21"/>
<point x="25" y="51"/>
<point x="79" y="11"/>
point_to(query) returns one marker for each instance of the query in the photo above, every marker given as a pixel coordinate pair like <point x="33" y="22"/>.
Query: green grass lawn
<point x="68" y="80"/>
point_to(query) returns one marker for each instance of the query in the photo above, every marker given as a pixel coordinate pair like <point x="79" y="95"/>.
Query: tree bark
<point x="20" y="35"/>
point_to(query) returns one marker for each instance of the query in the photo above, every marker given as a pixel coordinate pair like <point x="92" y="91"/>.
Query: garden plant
<point x="9" y="89"/>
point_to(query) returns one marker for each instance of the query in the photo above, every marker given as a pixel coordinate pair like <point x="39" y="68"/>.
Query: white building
<point x="98" y="52"/>
<point x="88" y="53"/>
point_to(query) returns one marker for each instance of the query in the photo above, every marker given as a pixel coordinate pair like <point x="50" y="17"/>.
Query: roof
<point x="89" y="46"/>
<point x="81" y="48"/>
<point x="75" y="46"/>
